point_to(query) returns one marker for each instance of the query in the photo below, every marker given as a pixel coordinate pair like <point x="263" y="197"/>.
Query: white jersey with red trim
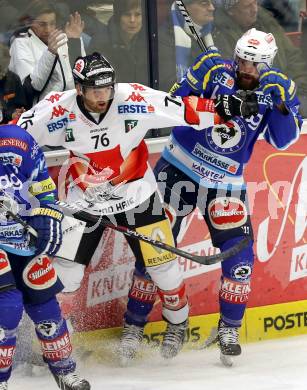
<point x="108" y="169"/>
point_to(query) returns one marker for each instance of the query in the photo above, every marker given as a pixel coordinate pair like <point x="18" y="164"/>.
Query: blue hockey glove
<point x="282" y="89"/>
<point x="204" y="68"/>
<point x="47" y="223"/>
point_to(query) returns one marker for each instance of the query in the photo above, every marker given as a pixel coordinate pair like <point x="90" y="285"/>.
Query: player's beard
<point x="246" y="81"/>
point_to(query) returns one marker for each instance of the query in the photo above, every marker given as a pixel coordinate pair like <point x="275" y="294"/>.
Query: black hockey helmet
<point x="93" y="70"/>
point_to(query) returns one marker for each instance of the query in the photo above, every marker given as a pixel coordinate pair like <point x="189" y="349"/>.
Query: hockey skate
<point x="173" y="339"/>
<point x="3" y="386"/>
<point x="71" y="381"/>
<point x="228" y="339"/>
<point x="130" y="343"/>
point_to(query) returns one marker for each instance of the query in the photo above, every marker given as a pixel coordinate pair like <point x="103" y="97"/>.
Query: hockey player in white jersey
<point x="103" y="124"/>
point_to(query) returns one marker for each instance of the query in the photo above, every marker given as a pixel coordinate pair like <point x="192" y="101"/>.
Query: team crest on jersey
<point x="130" y="124"/>
<point x="228" y="138"/>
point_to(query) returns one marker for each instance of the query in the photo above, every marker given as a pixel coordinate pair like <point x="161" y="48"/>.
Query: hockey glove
<point x="47" y="223"/>
<point x="282" y="89"/>
<point x="242" y="103"/>
<point x="204" y="68"/>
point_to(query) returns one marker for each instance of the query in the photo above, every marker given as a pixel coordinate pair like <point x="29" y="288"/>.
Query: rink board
<point x="260" y="323"/>
<point x="277" y="182"/>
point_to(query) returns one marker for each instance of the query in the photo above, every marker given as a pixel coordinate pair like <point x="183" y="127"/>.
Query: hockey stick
<point x="206" y="260"/>
<point x="87" y="217"/>
<point x="204" y="44"/>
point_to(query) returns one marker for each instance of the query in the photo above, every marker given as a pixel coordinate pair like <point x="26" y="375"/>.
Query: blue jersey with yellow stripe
<point x="218" y="154"/>
<point x="24" y="184"/>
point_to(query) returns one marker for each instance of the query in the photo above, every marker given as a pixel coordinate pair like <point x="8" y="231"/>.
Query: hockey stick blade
<point x="205" y="260"/>
<point x="204" y="44"/>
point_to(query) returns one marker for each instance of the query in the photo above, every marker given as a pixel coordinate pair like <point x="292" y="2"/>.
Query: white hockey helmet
<point x="256" y="46"/>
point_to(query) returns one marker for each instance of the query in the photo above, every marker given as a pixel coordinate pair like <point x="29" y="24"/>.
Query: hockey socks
<point x="52" y="333"/>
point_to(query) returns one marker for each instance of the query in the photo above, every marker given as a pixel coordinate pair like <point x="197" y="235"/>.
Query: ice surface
<point x="270" y="365"/>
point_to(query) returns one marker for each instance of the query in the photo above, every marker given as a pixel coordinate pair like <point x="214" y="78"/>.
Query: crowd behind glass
<point x="40" y="40"/>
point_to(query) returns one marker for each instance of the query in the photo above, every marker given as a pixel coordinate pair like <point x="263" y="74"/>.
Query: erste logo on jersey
<point x="57" y="125"/>
<point x="10" y="158"/>
<point x="227" y="213"/>
<point x="227" y="138"/>
<point x="135" y="109"/>
<point x="39" y="274"/>
<point x="136" y="97"/>
<point x="224" y="79"/>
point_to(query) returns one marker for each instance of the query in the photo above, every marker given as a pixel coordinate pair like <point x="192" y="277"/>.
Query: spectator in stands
<point x="177" y="49"/>
<point x="11" y="15"/>
<point x="234" y="17"/>
<point x="40" y="54"/>
<point x="94" y="23"/>
<point x="125" y="42"/>
<point x="12" y="97"/>
<point x="284" y="11"/>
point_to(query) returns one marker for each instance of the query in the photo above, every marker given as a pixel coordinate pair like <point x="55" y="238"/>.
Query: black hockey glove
<point x="47" y="223"/>
<point x="242" y="103"/>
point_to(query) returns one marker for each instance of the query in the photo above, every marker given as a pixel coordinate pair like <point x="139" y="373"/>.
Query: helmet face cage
<point x="94" y="71"/>
<point x="256" y="46"/>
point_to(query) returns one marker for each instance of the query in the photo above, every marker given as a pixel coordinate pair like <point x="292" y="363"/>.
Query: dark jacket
<point x="289" y="58"/>
<point x="167" y="56"/>
<point x="11" y="96"/>
<point x="130" y="62"/>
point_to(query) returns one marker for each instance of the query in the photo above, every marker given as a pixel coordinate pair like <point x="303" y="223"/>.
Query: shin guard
<point x="10" y="316"/>
<point x="235" y="283"/>
<point x="141" y="298"/>
<point x="175" y="304"/>
<point x="52" y="333"/>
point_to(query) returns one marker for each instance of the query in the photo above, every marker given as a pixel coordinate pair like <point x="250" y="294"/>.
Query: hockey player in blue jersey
<point x="27" y="278"/>
<point x="210" y="165"/>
